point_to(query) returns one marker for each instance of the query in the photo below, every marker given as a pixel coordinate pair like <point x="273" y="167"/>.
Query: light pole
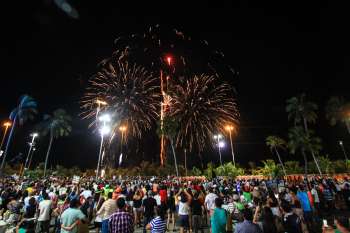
<point x="122" y="129"/>
<point x="6" y="125"/>
<point x="220" y="144"/>
<point x="31" y="144"/>
<point x="343" y="149"/>
<point x="230" y="128"/>
<point x="103" y="131"/>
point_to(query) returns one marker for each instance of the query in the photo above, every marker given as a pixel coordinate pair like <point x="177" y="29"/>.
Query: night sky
<point x="276" y="54"/>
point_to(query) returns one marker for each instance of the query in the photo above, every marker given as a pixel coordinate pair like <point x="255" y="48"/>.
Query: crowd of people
<point x="158" y="205"/>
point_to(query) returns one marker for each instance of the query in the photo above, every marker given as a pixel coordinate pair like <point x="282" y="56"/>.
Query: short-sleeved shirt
<point x="158" y="225"/>
<point x="121" y="222"/>
<point x="70" y="216"/>
<point x="304" y="201"/>
<point x="44" y="210"/>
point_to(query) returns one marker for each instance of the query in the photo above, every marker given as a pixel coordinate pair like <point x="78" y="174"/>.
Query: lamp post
<point x="6" y="125"/>
<point x="103" y="131"/>
<point x="220" y="144"/>
<point x="31" y="144"/>
<point x="230" y="128"/>
<point x="343" y="149"/>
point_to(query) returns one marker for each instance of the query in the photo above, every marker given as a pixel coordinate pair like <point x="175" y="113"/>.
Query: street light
<point x="104" y="130"/>
<point x="31" y="144"/>
<point x="220" y="144"/>
<point x="230" y="128"/>
<point x="343" y="149"/>
<point x="7" y="124"/>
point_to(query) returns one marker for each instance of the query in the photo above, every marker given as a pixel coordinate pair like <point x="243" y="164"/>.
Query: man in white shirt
<point x="209" y="202"/>
<point x="44" y="214"/>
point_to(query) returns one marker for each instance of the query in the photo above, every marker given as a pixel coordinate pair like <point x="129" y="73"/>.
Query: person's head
<point x="218" y="202"/>
<point x="45" y="195"/>
<point x="235" y="197"/>
<point x="109" y="195"/>
<point x="74" y="203"/>
<point x="247" y="214"/>
<point x="121" y="203"/>
<point x="32" y="201"/>
<point x="286" y="207"/>
<point x="341" y="221"/>
<point x="161" y="212"/>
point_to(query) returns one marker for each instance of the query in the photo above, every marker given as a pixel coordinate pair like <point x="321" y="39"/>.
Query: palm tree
<point x="301" y="111"/>
<point x="57" y="125"/>
<point x="299" y="140"/>
<point x="305" y="112"/>
<point x="337" y="110"/>
<point x="275" y="142"/>
<point x="25" y="110"/>
<point x="169" y="130"/>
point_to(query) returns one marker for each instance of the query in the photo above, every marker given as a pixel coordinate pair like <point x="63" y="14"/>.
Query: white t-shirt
<point x="210" y="201"/>
<point x="184" y="209"/>
<point x="315" y="194"/>
<point x="157" y="198"/>
<point x="44" y="210"/>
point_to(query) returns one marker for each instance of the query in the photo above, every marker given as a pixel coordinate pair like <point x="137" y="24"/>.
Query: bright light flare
<point x="105" y="130"/>
<point x="7" y="124"/>
<point x="168" y="59"/>
<point x="221" y="144"/>
<point x="218" y="136"/>
<point x="35" y="135"/>
<point x="122" y="128"/>
<point x="101" y="102"/>
<point x="229" y="127"/>
<point x="105" y="118"/>
<point x="341" y="143"/>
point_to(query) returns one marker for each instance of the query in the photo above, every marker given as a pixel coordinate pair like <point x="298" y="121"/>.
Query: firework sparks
<point x="131" y="92"/>
<point x="203" y="107"/>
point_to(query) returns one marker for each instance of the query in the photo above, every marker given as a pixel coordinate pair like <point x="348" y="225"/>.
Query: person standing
<point x="44" y="213"/>
<point x="305" y="204"/>
<point x="247" y="226"/>
<point x="158" y="224"/>
<point x="184" y="209"/>
<point x="218" y="218"/>
<point x="121" y="221"/>
<point x="197" y="212"/>
<point x="107" y="209"/>
<point x="71" y="217"/>
<point x="149" y="203"/>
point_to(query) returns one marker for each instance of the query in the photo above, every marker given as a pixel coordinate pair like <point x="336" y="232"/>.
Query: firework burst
<point x="203" y="107"/>
<point x="131" y="92"/>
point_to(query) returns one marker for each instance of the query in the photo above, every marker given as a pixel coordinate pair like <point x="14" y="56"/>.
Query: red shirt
<point x="163" y="195"/>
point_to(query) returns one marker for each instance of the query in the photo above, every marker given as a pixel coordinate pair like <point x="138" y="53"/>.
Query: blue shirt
<point x="247" y="227"/>
<point x="304" y="201"/>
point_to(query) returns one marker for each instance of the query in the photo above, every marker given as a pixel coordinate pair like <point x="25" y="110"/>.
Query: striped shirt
<point x="158" y="225"/>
